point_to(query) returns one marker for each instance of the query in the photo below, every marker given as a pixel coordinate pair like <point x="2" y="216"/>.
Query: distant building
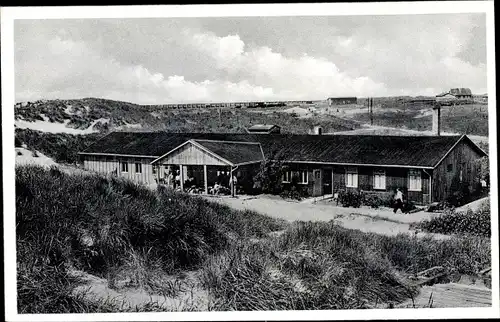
<point x="481" y="98"/>
<point x="342" y="100"/>
<point x="264" y="129"/>
<point x="461" y="93"/>
<point x="446" y="98"/>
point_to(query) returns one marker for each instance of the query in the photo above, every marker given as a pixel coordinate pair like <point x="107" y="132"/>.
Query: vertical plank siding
<point x="109" y="164"/>
<point x="445" y="182"/>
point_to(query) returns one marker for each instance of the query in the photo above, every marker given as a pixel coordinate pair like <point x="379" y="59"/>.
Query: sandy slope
<point x="54" y="127"/>
<point x="25" y="156"/>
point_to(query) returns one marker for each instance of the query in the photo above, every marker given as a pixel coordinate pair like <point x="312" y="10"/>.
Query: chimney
<point x="318" y="130"/>
<point x="436" y="120"/>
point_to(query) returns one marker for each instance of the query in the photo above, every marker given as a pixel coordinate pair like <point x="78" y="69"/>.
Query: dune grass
<point x="98" y="224"/>
<point x="122" y="231"/>
<point x="320" y="265"/>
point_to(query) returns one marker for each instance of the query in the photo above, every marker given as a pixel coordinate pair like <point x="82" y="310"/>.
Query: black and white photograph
<point x="250" y="162"/>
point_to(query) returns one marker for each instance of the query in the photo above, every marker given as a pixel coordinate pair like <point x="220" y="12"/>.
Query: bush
<point x="377" y="200"/>
<point x="351" y="198"/>
<point x="476" y="223"/>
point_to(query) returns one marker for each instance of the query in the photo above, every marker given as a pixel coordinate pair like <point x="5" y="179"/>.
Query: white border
<point x="7" y="39"/>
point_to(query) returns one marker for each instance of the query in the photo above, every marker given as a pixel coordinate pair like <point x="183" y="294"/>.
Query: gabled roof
<point x="229" y="152"/>
<point x="234" y="151"/>
<point x="461" y="91"/>
<point x="406" y="151"/>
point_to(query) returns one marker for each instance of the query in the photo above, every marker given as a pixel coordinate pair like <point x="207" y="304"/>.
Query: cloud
<point x="71" y="69"/>
<point x="259" y="58"/>
<point x="290" y="78"/>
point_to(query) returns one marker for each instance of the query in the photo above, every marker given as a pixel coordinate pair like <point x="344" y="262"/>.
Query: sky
<point x="177" y="60"/>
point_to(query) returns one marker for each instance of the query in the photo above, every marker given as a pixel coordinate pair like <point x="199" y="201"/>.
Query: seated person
<point x="216" y="188"/>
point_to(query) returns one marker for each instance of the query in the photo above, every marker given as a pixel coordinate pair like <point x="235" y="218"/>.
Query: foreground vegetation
<point x="477" y="223"/>
<point x="118" y="230"/>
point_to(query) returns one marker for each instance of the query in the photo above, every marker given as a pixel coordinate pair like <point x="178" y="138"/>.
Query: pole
<point x="205" y="178"/>
<point x="371" y="111"/>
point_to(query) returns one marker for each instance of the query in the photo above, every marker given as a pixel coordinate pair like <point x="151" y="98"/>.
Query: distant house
<point x="446" y="98"/>
<point x="342" y="100"/>
<point x="264" y="129"/>
<point x="461" y="93"/>
<point x="481" y="98"/>
<point x="427" y="168"/>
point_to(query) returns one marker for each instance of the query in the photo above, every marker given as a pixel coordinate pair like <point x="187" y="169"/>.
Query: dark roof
<point x="461" y="91"/>
<point x="444" y="94"/>
<point x="234" y="152"/>
<point x="262" y="127"/>
<point x="419" y="151"/>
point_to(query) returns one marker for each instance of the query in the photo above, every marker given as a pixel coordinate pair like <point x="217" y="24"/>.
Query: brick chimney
<point x="436" y="119"/>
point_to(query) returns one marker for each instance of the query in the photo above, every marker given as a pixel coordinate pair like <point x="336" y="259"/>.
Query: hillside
<point x="82" y="237"/>
<point x="90" y="115"/>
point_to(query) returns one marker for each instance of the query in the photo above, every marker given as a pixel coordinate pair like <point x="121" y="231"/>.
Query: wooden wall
<point x="445" y="182"/>
<point x="108" y="164"/>
<point x="192" y="155"/>
<point x="395" y="178"/>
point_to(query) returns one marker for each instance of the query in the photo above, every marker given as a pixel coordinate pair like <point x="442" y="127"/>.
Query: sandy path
<point x="381" y="221"/>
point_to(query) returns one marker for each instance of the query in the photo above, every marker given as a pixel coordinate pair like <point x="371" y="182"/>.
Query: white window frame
<point x="382" y="179"/>
<point x="351" y="172"/>
<point x="138" y="165"/>
<point x="287" y="176"/>
<point x="124" y="164"/>
<point x="303" y="177"/>
<point x="414" y="180"/>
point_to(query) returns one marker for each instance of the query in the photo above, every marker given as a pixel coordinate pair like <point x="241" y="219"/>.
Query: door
<point x="318" y="183"/>
<point x="327" y="177"/>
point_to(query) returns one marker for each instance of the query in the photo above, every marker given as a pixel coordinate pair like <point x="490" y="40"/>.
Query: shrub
<point x="476" y="223"/>
<point x="351" y="198"/>
<point x="376" y="200"/>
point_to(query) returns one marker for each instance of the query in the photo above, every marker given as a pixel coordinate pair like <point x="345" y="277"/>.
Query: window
<point x="379" y="179"/>
<point x="287" y="176"/>
<point x="124" y="166"/>
<point x="303" y="177"/>
<point x="449" y="167"/>
<point x="352" y="177"/>
<point x="414" y="180"/>
<point x="138" y="167"/>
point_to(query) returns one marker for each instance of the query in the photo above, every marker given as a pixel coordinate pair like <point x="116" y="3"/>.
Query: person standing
<point x="169" y="179"/>
<point x="232" y="184"/>
<point x="398" y="200"/>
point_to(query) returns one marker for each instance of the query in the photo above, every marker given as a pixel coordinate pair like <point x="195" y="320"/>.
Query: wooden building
<point x="461" y="93"/>
<point x="427" y="168"/>
<point x="342" y="100"/>
<point x="264" y="129"/>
